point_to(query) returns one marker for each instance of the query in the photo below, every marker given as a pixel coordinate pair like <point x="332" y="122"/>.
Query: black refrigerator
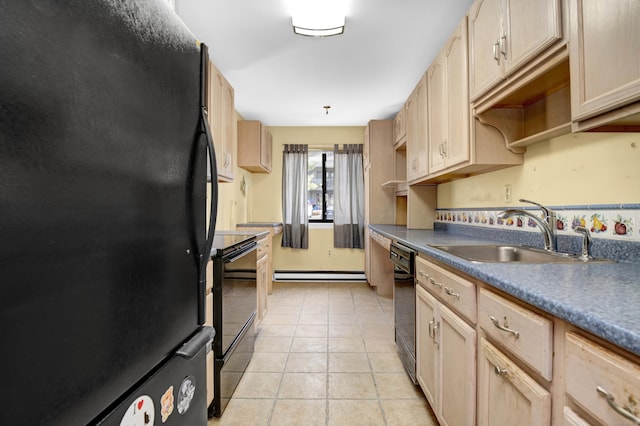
<point x="104" y="152"/>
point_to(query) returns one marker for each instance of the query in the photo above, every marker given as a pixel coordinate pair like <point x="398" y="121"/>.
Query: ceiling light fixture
<point x="326" y="109"/>
<point x="318" y="18"/>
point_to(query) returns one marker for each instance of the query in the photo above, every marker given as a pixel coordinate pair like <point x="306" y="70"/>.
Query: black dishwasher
<point x="404" y="304"/>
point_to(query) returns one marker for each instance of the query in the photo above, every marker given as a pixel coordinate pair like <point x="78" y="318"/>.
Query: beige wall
<point x="581" y="168"/>
<point x="584" y="168"/>
<point x="262" y="202"/>
<point x="265" y="203"/>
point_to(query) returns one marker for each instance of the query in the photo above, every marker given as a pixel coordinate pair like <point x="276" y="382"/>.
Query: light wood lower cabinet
<point x="522" y="358"/>
<point x="209" y="377"/>
<point x="378" y="266"/>
<point x="506" y="394"/>
<point x="426" y="345"/>
<point x="571" y="418"/>
<point x="261" y="282"/>
<point x="445" y="353"/>
<point x="605" y="385"/>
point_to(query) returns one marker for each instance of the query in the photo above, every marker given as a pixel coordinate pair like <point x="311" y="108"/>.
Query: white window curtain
<point x="348" y="193"/>
<point x="294" y="196"/>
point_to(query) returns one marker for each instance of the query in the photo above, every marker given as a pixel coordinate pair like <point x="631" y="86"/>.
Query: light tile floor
<point x="325" y="355"/>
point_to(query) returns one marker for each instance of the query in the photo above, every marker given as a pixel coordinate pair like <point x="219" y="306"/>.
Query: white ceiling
<point x="285" y="79"/>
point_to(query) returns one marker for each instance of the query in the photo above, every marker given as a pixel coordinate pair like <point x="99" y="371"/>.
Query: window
<point x="320" y="186"/>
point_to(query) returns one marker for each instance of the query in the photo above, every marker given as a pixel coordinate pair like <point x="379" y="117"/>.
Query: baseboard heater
<point x="314" y="276"/>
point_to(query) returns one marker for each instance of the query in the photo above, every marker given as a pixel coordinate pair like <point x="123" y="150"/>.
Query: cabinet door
<point x="570" y="418"/>
<point x="427" y="352"/>
<point x="603" y="383"/>
<point x="458" y="370"/>
<point x="417" y="131"/>
<point x="367" y="249"/>
<point x="221" y="118"/>
<point x="437" y="110"/>
<point x="484" y="35"/>
<point x="266" y="146"/>
<point x="229" y="134"/>
<point x="506" y="394"/>
<point x="605" y="41"/>
<point x="261" y="283"/>
<point x="456" y="147"/>
<point x="529" y="27"/>
<point x="399" y="126"/>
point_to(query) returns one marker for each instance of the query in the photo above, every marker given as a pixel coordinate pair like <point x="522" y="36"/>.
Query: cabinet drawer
<point x="456" y="292"/>
<point x="592" y="370"/>
<point x="527" y="335"/>
<point x="378" y="238"/>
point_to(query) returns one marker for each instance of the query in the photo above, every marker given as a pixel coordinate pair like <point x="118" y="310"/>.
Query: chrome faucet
<point x="586" y="243"/>
<point x="547" y="224"/>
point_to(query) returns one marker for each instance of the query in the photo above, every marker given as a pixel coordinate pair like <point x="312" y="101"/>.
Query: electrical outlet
<point x="329" y="253"/>
<point x="507" y="193"/>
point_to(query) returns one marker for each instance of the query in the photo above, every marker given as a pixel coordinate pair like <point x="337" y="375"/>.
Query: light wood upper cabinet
<point x="484" y="33"/>
<point x="605" y="70"/>
<point x="254" y="146"/>
<point x="448" y="103"/>
<point x="380" y="168"/>
<point x="437" y="113"/>
<point x="506" y="34"/>
<point x="399" y="127"/>
<point x="222" y="122"/>
<point x="417" y="156"/>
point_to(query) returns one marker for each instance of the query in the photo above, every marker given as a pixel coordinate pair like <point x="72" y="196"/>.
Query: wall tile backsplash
<point x="614" y="222"/>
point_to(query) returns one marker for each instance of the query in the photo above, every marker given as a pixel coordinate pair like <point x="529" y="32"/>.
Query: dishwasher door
<point x="404" y="301"/>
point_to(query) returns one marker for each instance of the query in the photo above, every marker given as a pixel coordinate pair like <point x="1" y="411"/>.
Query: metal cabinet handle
<point x="451" y="292"/>
<point x="431" y="329"/>
<point x="434" y="283"/>
<point x="499" y="371"/>
<point x="496" y="55"/>
<point x="503" y="43"/>
<point x="504" y="328"/>
<point x="623" y="411"/>
<point x="444" y="148"/>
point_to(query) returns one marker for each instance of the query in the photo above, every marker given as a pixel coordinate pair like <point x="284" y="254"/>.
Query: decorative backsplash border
<point x="607" y="221"/>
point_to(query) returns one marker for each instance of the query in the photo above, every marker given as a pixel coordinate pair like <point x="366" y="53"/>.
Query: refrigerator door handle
<point x="194" y="345"/>
<point x="213" y="211"/>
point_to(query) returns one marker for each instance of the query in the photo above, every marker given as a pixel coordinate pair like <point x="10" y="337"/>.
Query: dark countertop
<point x="223" y="240"/>
<point x="259" y="225"/>
<point x="601" y="298"/>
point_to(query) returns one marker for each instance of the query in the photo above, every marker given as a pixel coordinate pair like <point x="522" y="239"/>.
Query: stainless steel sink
<point x="511" y="254"/>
